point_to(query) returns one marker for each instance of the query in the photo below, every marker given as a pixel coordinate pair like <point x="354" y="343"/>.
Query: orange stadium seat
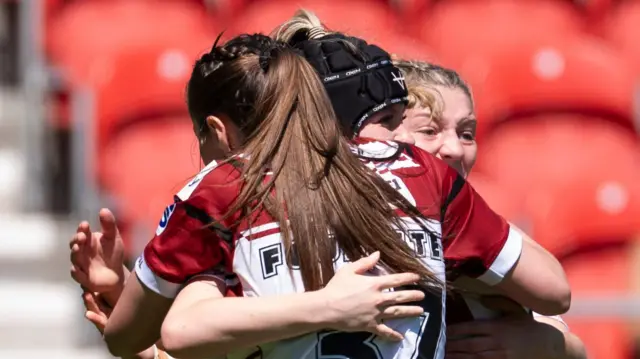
<point x="86" y="31"/>
<point x="622" y="28"/>
<point x="550" y="74"/>
<point x="145" y="165"/>
<point x="578" y="177"/>
<point x="366" y="19"/>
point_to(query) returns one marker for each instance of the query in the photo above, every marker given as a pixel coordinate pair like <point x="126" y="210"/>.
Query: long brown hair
<point x="317" y="189"/>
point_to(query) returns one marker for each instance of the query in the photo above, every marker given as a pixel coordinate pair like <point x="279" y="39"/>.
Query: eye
<point x="430" y="131"/>
<point x="468" y="136"/>
<point x="386" y="120"/>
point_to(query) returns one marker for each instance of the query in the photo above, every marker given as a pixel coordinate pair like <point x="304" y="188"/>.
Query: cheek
<point x="376" y="132"/>
<point x="470" y="156"/>
<point x="428" y="144"/>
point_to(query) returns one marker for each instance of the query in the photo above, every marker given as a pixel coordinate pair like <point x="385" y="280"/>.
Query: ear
<point x="218" y="128"/>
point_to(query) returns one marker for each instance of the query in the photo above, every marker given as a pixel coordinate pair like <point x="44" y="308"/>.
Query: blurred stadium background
<point x="92" y="114"/>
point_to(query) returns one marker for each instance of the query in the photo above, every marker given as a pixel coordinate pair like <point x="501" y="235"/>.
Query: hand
<point x="359" y="302"/>
<point x="98" y="311"/>
<point x="97" y="258"/>
<point x="514" y="336"/>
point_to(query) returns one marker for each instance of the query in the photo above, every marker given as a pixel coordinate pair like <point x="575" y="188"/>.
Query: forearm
<point x="134" y="324"/>
<point x="570" y="347"/>
<point x="215" y="327"/>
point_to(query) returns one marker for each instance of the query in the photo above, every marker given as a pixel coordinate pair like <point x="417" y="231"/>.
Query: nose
<point x="451" y="149"/>
<point x="401" y="134"/>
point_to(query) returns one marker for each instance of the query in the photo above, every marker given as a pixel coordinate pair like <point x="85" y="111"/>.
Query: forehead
<point x="453" y="103"/>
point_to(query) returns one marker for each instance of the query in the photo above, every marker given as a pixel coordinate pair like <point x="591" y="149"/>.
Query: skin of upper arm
<point x="533" y="273"/>
<point x="134" y="324"/>
<point x="173" y="331"/>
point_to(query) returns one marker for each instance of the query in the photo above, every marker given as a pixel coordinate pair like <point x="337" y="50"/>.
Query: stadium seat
<point x="457" y="28"/>
<point x="137" y="84"/>
<point x="599" y="274"/>
<point x="89" y="30"/>
<point x="621" y="29"/>
<point x="146" y="164"/>
<point x="552" y="73"/>
<point x="578" y="178"/>
<point x="404" y="47"/>
<point x="367" y="19"/>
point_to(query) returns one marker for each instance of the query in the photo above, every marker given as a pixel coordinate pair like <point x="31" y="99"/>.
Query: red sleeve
<point x="477" y="242"/>
<point x="183" y="246"/>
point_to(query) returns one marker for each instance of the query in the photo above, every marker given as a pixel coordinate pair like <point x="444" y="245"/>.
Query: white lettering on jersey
<point x="261" y="267"/>
<point x="165" y="219"/>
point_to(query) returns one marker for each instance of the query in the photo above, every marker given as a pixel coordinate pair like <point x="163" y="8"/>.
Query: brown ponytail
<point x="322" y="195"/>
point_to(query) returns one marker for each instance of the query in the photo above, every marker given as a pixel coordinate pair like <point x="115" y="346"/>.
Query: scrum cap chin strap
<point x="359" y="85"/>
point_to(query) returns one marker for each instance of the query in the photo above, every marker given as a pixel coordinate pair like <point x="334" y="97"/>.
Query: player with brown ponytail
<point x="292" y="204"/>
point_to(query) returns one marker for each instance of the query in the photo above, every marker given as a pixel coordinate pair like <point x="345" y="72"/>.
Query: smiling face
<point x="450" y="136"/>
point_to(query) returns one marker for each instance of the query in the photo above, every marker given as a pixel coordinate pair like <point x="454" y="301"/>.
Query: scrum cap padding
<point x="359" y="83"/>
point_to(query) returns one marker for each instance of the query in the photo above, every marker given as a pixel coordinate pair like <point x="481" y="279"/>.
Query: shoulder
<point x="390" y="154"/>
<point x="213" y="176"/>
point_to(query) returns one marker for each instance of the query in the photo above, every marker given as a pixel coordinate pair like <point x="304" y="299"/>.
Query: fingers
<point x="386" y="332"/>
<point x="402" y="296"/>
<point x="108" y="224"/>
<point x="77" y="255"/>
<point x="401" y="311"/>
<point x="90" y="302"/>
<point x="79" y="275"/>
<point x="84" y="228"/>
<point x="397" y="280"/>
<point x="99" y="321"/>
<point x="102" y="305"/>
<point x="363" y="265"/>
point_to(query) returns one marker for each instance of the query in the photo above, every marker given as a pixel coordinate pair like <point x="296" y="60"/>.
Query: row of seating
<point x="592" y="10"/>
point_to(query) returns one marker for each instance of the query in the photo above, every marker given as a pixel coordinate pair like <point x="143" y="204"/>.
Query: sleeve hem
<point x="505" y="260"/>
<point x="150" y="280"/>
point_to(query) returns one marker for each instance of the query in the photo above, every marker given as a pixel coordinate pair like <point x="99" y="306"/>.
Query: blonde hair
<point x="305" y="25"/>
<point x="421" y="79"/>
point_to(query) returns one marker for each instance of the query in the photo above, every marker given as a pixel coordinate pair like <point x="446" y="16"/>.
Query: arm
<point x="571" y="347"/>
<point x="232" y="324"/>
<point x="135" y="322"/>
<point x="202" y="323"/>
<point x="538" y="270"/>
<point x="480" y="244"/>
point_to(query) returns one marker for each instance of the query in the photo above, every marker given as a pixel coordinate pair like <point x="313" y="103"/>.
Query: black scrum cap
<point x="359" y="84"/>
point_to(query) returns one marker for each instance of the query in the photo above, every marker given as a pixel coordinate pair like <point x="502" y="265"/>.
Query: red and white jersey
<point x="466" y="238"/>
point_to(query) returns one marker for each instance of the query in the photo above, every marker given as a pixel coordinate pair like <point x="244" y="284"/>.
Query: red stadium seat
<point x="137" y="84"/>
<point x="456" y="29"/>
<point x="578" y="177"/>
<point x="86" y="31"/>
<point x="362" y="18"/>
<point x="405" y="47"/>
<point x="598" y="274"/>
<point x="146" y="164"/>
<point x="550" y="74"/>
<point x="621" y="29"/>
